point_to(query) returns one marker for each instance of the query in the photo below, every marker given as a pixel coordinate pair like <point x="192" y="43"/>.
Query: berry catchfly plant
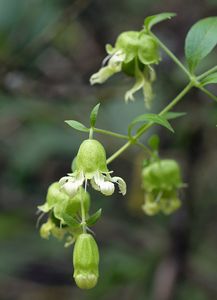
<point x="68" y="203"/>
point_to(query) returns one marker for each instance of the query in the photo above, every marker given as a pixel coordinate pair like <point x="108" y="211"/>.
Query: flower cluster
<point x="161" y="181"/>
<point x="134" y="54"/>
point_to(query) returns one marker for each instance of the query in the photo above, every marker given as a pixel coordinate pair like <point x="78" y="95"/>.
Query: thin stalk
<point x="147" y="126"/>
<point x="211" y="95"/>
<point x="83" y="214"/>
<point x="171" y="55"/>
<point x="210" y="71"/>
<point x="114" y="134"/>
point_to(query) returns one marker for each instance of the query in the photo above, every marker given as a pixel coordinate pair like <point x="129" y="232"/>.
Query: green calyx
<point x="138" y="45"/>
<point x="86" y="261"/>
<point x="54" y="196"/>
<point x="162" y="175"/>
<point x="161" y="181"/>
<point x="91" y="158"/>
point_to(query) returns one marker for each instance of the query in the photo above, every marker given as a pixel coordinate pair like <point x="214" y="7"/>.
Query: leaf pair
<point x="74" y="223"/>
<point x="81" y="127"/>
<point x="155" y="119"/>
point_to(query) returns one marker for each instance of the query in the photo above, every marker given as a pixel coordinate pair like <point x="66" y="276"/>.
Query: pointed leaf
<point x="150" y="118"/>
<point x="152" y="20"/>
<point x="212" y="78"/>
<point x="94" y="218"/>
<point x="93" y="115"/>
<point x="173" y="115"/>
<point x="200" y="41"/>
<point x="70" y="221"/>
<point x="77" y="125"/>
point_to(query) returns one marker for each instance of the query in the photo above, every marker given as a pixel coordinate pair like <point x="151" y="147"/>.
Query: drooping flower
<point x="134" y="54"/>
<point x="91" y="165"/>
<point x="58" y="202"/>
<point x="161" y="181"/>
<point x="86" y="261"/>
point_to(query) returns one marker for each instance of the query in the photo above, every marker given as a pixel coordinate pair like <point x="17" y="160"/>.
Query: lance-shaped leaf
<point x="94" y="218"/>
<point x="150" y="118"/>
<point x="173" y="115"/>
<point x="93" y="115"/>
<point x="200" y="41"/>
<point x="212" y="78"/>
<point x="77" y="125"/>
<point x="152" y="20"/>
<point x="70" y="221"/>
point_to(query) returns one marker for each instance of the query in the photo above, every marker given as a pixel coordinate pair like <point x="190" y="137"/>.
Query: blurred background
<point x="48" y="50"/>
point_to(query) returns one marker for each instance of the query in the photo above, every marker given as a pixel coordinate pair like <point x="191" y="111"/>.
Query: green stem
<point x="83" y="214"/>
<point x="171" y="55"/>
<point x="114" y="134"/>
<point x="91" y="133"/>
<point x="208" y="93"/>
<point x="210" y="71"/>
<point x="147" y="126"/>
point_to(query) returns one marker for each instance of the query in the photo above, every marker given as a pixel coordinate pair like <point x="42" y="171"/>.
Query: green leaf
<point x="70" y="221"/>
<point x="94" y="218"/>
<point x="212" y="78"/>
<point x="152" y="20"/>
<point x="93" y="115"/>
<point x="154" y="142"/>
<point x="173" y="115"/>
<point x="153" y="118"/>
<point x="200" y="41"/>
<point x="77" y="125"/>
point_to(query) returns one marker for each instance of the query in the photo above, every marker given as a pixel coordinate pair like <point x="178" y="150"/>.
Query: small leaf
<point x="212" y="78"/>
<point x="94" y="218"/>
<point x="93" y="115"/>
<point x="200" y="41"/>
<point x="77" y="125"/>
<point x="70" y="221"/>
<point x="153" y="118"/>
<point x="154" y="142"/>
<point x="173" y="115"/>
<point x="152" y="20"/>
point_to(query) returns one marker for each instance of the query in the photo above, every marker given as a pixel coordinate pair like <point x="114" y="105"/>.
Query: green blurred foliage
<point x="48" y="50"/>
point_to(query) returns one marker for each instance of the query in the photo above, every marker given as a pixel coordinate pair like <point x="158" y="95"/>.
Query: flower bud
<point x="86" y="261"/>
<point x="91" y="157"/>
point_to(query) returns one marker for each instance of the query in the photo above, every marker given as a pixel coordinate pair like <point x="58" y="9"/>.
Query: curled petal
<point x="104" y="186"/>
<point x="70" y="185"/>
<point x="121" y="184"/>
<point x="137" y="86"/>
<point x="114" y="66"/>
<point x="107" y="188"/>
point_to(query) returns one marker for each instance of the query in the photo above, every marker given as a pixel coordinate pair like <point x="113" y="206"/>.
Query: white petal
<point x="70" y="185"/>
<point x="104" y="186"/>
<point x="107" y="188"/>
<point x="121" y="184"/>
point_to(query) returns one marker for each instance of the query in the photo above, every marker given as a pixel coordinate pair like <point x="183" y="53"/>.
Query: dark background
<point x="48" y="50"/>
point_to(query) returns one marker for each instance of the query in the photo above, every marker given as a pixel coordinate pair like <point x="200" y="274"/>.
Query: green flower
<point x="86" y="261"/>
<point x="161" y="181"/>
<point x="133" y="54"/>
<point x="59" y="203"/>
<point x="91" y="165"/>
